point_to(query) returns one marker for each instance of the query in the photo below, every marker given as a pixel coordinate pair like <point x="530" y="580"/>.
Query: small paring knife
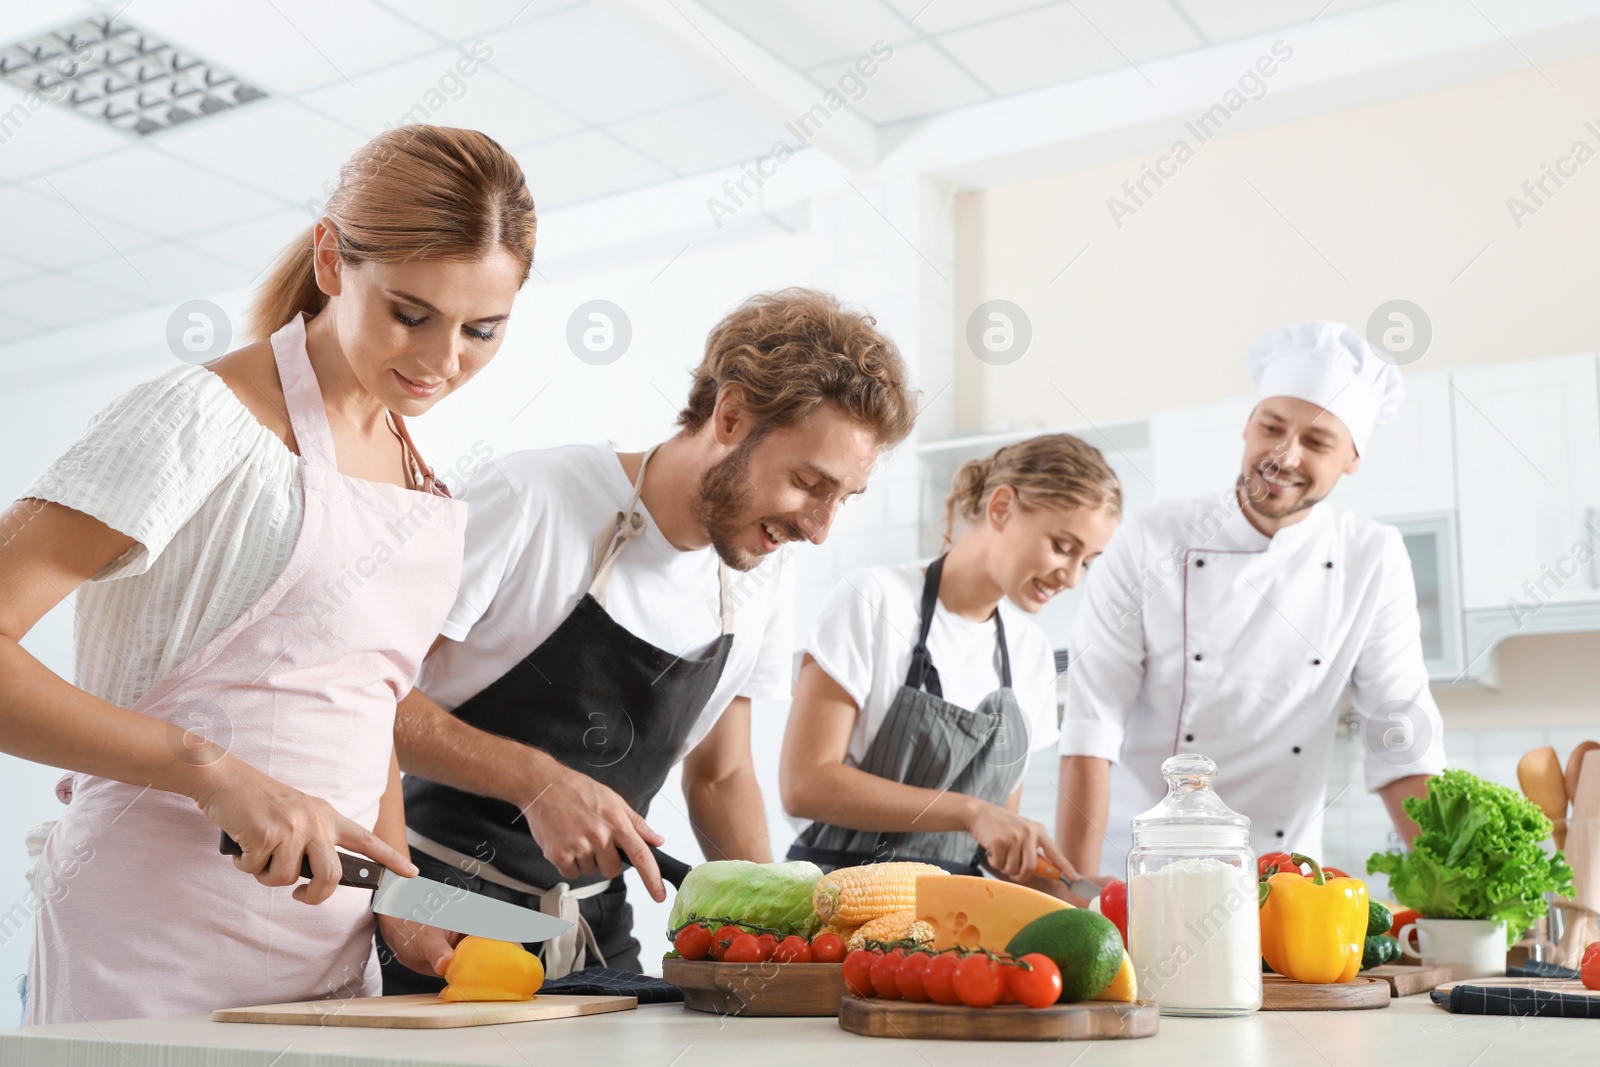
<point x="1082" y="887"/>
<point x="432" y="903"/>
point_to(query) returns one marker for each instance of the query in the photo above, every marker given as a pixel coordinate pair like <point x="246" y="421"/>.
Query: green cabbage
<point x="1479" y="855"/>
<point x="774" y="896"/>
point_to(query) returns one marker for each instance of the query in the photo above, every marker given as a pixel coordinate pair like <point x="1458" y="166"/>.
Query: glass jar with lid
<point x="1194" y="934"/>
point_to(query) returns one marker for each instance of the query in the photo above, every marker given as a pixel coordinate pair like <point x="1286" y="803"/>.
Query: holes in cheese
<point x="979" y="912"/>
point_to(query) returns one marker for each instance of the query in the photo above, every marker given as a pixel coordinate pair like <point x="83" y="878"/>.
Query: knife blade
<point x="1082" y="886"/>
<point x="433" y="903"/>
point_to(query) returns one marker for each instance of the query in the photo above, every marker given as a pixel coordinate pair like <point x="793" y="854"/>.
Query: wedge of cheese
<point x="979" y="912"/>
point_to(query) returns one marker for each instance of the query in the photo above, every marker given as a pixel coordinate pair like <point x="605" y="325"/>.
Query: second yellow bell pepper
<point x="483" y="969"/>
<point x="1314" y="928"/>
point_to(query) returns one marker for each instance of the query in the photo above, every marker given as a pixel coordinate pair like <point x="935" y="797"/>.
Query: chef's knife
<point x="434" y="903"/>
<point x="1083" y="887"/>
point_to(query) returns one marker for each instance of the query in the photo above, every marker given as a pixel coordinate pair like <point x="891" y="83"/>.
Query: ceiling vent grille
<point x="118" y="74"/>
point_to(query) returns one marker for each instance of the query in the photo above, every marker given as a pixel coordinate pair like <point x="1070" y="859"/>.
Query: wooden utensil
<point x="1575" y="765"/>
<point x="1407" y="981"/>
<point x="1285" y="994"/>
<point x="1540" y="775"/>
<point x="751" y="989"/>
<point x="1583" y="856"/>
<point x="423" y="1011"/>
<point x="1089" y="1021"/>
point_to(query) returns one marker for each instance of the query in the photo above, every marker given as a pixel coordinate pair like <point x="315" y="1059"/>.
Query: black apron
<point x="602" y="701"/>
<point x="929" y="742"/>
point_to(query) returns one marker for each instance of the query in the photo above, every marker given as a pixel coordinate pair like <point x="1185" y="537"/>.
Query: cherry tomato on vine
<point x="827" y="948"/>
<point x="792" y="949"/>
<point x="721" y="939"/>
<point x="693" y="941"/>
<point x="909" y="977"/>
<point x="1039" y="987"/>
<point x="938" y="977"/>
<point x="768" y="943"/>
<point x="746" y="948"/>
<point x="883" y="973"/>
<point x="979" y="980"/>
<point x="858" y="972"/>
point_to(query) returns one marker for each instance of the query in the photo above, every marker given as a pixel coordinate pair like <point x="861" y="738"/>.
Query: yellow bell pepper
<point x="1313" y="929"/>
<point x="484" y="969"/>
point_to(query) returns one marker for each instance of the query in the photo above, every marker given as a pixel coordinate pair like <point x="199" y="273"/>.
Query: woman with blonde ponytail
<point x="261" y="559"/>
<point x="923" y="689"/>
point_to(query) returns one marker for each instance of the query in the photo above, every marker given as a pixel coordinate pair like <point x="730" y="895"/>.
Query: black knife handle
<point x="672" y="869"/>
<point x="357" y="871"/>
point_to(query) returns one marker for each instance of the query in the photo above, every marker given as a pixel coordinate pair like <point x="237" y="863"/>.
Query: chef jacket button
<point x="1197" y="657"/>
<point x="1188" y="737"/>
<point x="1199" y="563"/>
<point x="1316" y="663"/>
<point x="1329" y="564"/>
<point x="1280" y="833"/>
<point x="1297" y="750"/>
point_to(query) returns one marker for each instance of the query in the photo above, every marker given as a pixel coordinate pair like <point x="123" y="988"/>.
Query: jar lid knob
<point x="1188" y="770"/>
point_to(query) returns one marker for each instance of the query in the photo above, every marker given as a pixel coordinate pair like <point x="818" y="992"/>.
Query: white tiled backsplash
<point x="1357" y="824"/>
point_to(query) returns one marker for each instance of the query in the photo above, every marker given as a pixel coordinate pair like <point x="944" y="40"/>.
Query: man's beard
<point x="722" y="502"/>
<point x="1262" y="505"/>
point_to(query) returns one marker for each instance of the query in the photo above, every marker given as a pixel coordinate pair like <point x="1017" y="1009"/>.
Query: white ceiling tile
<point x="274" y="146"/>
<point x="1142" y="30"/>
<point x="18" y="21"/>
<point x="253" y="245"/>
<point x="704" y="134"/>
<point x="435" y="89"/>
<point x="162" y="273"/>
<point x="1037" y="48"/>
<point x="16" y="329"/>
<point x="939" y="16"/>
<point x="52" y="136"/>
<point x="43" y="229"/>
<point x="808" y="33"/>
<point x="597" y="66"/>
<point x="12" y="269"/>
<point x="58" y="300"/>
<point x="1225" y="20"/>
<point x="285" y="46"/>
<point x="916" y="80"/>
<point x="457" y="22"/>
<point x="154" y="192"/>
<point x="583" y="166"/>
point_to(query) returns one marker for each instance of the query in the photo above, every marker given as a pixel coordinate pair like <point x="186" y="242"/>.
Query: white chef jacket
<point x="1201" y="634"/>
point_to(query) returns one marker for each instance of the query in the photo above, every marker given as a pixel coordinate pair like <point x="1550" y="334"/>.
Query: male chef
<point x="1233" y="626"/>
<point x="616" y="614"/>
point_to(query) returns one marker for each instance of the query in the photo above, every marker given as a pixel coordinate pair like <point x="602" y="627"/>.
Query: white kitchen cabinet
<point x="1408" y="468"/>
<point x="1199" y="451"/>
<point x="1528" y="478"/>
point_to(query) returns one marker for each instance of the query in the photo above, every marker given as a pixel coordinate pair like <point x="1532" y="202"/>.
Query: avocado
<point x="1084" y="944"/>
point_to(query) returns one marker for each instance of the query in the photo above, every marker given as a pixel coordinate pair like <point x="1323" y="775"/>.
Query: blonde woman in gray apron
<point x="923" y="690"/>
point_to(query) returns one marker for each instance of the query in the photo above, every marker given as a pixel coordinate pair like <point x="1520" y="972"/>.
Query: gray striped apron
<point x="927" y="741"/>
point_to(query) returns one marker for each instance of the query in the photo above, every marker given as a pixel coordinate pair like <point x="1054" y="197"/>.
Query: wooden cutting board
<point x="1090" y="1021"/>
<point x="423" y="1011"/>
<point x="1405" y="981"/>
<point x="757" y="989"/>
<point x="1285" y="994"/>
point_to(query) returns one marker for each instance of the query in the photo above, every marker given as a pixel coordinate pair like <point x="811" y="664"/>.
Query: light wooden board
<point x="1569" y="986"/>
<point x="757" y="989"/>
<point x="1285" y="994"/>
<point x="1089" y="1021"/>
<point x="423" y="1011"/>
<point x="1407" y="981"/>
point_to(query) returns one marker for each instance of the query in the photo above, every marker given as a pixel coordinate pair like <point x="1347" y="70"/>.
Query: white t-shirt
<point x="532" y="521"/>
<point x="865" y="632"/>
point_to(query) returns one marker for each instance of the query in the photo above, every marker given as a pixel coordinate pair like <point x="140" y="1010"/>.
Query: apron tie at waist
<point x="561" y="955"/>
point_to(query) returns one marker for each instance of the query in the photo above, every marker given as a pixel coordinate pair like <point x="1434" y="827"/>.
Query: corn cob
<point x="844" y="932"/>
<point x="851" y="896"/>
<point x="898" y="926"/>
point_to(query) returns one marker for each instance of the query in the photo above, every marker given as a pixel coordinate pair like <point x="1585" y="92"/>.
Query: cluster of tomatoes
<point x="730" y="942"/>
<point x="977" y="979"/>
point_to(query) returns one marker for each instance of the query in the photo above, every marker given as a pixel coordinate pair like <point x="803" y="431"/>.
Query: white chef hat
<point x="1328" y="364"/>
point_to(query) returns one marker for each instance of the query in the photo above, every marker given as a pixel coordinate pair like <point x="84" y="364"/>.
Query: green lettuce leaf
<point x="1479" y="855"/>
<point x="774" y="896"/>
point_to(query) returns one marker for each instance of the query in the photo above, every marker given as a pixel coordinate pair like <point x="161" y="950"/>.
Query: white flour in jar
<point x="1194" y="936"/>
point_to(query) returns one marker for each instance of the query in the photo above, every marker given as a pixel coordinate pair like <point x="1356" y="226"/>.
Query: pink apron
<point x="137" y="913"/>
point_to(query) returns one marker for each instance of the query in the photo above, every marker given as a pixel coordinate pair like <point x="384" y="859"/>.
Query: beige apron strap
<point x="562" y="954"/>
<point x="725" y="590"/>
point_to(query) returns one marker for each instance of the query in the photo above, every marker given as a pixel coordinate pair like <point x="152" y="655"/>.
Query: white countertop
<point x="1409" y="1033"/>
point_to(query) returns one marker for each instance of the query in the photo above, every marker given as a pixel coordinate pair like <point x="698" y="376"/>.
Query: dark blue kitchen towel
<point x="1536" y="999"/>
<point x="606" y="981"/>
